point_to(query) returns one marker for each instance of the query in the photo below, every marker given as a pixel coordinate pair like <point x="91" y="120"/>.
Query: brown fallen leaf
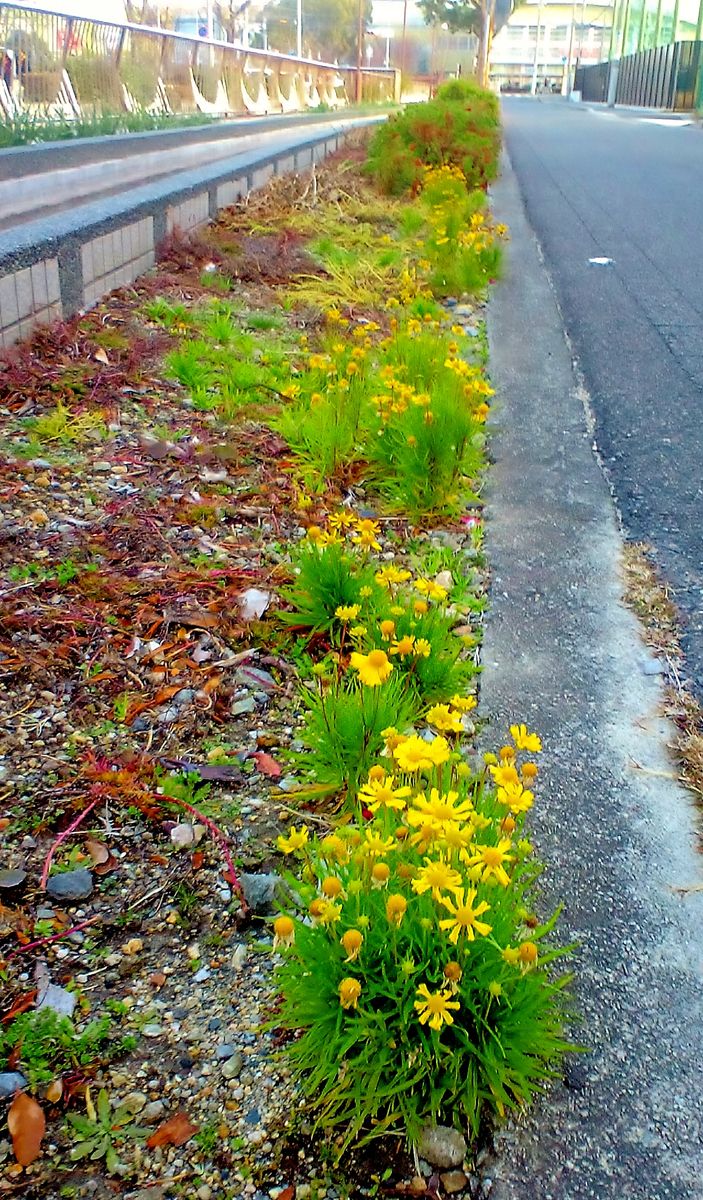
<point x="178" y="1129"/>
<point x="197" y="859"/>
<point x="158" y="979"/>
<point x="27" y="1125"/>
<point x="97" y="851"/>
<point x="287" y="1194"/>
<point x="54" y="1092"/>
<point x="101" y="357"/>
<point x="266" y="765"/>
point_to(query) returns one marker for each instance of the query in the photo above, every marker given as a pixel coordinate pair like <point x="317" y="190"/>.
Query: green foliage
<point x="329" y="27"/>
<point x="101" y="1135"/>
<point x="458" y="128"/>
<point x="373" y="940"/>
<point x="25" y="128"/>
<point x="46" y="1045"/>
<point x="327" y="577"/>
<point x="343" y="726"/>
<point x="66" y="427"/>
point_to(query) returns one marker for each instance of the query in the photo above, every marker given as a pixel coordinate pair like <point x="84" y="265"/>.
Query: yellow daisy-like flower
<point x="439" y="751"/>
<point x="434" y="1008"/>
<point x="380" y="874"/>
<point x="463" y="703"/>
<point x="375" y="846"/>
<point x="347" y="612"/>
<point x="420" y="607"/>
<point x="349" y="992"/>
<point x="505" y="775"/>
<point x="365" y="592"/>
<point x="388" y="576"/>
<point x="490" y="861"/>
<point x="527" y="955"/>
<point x="464" y="920"/>
<point x="413" y="755"/>
<point x="331" y="887"/>
<point x="328" y="912"/>
<point x="529" y="771"/>
<point x="403" y="646"/>
<point x="422" y="648"/>
<point x="352" y="941"/>
<point x="358" y="631"/>
<point x="315" y="534"/>
<point x="333" y="847"/>
<point x="438" y="877"/>
<point x="374" y="667"/>
<point x="387" y="629"/>
<point x="296" y="840"/>
<point x="392" y="738"/>
<point x="283" y="932"/>
<point x="516" y="797"/>
<point x="381" y="793"/>
<point x="441" y="716"/>
<point x="433" y="591"/>
<point x="344" y="519"/>
<point x="442" y="809"/>
<point x="396" y="907"/>
<point x="524" y="740"/>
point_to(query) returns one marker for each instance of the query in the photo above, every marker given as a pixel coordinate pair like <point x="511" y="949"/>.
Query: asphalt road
<point x="602" y="185"/>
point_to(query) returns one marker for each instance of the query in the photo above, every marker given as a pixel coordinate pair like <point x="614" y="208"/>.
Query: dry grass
<point x="647" y="595"/>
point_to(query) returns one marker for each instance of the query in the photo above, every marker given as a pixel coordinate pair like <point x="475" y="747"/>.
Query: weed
<point x="101" y="1133"/>
<point x="63" y="426"/>
<point x="45" y="1045"/>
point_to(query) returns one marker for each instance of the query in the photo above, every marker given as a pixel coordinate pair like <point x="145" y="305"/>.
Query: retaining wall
<point x="53" y="267"/>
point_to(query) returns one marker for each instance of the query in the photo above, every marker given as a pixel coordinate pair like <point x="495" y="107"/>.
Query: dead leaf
<point x="197" y="860"/>
<point x="104" y="868"/>
<point x="101" y="357"/>
<point x="97" y="851"/>
<point x="287" y="1194"/>
<point x="193" y="618"/>
<point x="158" y="979"/>
<point x="54" y="1092"/>
<point x="178" y="1129"/>
<point x="266" y="765"/>
<point x="21" y="1004"/>
<point x="27" y="1125"/>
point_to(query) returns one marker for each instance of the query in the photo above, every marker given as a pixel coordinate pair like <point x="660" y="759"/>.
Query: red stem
<point x="54" y="937"/>
<point x="61" y="838"/>
<point x="219" y="838"/>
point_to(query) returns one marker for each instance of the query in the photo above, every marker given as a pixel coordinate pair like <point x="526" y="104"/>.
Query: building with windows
<point x="544" y="40"/>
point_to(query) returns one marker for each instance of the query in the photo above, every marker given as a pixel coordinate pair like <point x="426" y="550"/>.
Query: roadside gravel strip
<point x="562" y="653"/>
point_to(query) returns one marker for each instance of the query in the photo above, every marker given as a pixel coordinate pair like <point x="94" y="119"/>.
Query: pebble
<point x="204" y="1192"/>
<point x="454" y="1181"/>
<point x="134" y="1102"/>
<point x="152" y="1031"/>
<point x="247" y="705"/>
<point x="233" y="1065"/>
<point x="225" y="1051"/>
<point x="441" y="1145"/>
<point x="259" y="891"/>
<point x="11" y="1082"/>
<point x="12" y="880"/>
<point x="152" y="1112"/>
<point x="71" y="885"/>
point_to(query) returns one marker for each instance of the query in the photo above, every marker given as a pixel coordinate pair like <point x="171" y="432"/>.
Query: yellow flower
<point x="396" y="907"/>
<point x="352" y="941"/>
<point x="464" y="918"/>
<point x="443" y="718"/>
<point x="413" y="755"/>
<point x="387" y="629"/>
<point x="344" y="519"/>
<point x="376" y="846"/>
<point x="349" y="992"/>
<point x="529" y="770"/>
<point x="505" y="775"/>
<point x="463" y="703"/>
<point x="442" y="809"/>
<point x="374" y="668"/>
<point x="422" y="648"/>
<point x="437" y="876"/>
<point x="390" y="575"/>
<point x="403" y="646"/>
<point x="490" y="860"/>
<point x="347" y="612"/>
<point x="453" y="973"/>
<point x="358" y="631"/>
<point x="297" y="838"/>
<point x="527" y="954"/>
<point x="524" y="740"/>
<point x="380" y="793"/>
<point x="365" y="592"/>
<point x="380" y="874"/>
<point x="434" y="1007"/>
<point x="516" y="797"/>
<point x="433" y="591"/>
<point x="420" y="607"/>
<point x="438" y="750"/>
<point x="314" y="534"/>
<point x="392" y="738"/>
<point x="495" y="988"/>
<point x="331" y="887"/>
<point x="328" y="913"/>
<point x="283" y="932"/>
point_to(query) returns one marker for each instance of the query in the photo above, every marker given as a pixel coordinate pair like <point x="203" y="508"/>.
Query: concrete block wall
<point x="50" y="270"/>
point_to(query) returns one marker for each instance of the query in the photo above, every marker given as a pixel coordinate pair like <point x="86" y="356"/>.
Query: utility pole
<point x="403" y="43"/>
<point x="533" y="88"/>
<point x="566" y="84"/>
<point x="299" y="29"/>
<point x="210" y="21"/>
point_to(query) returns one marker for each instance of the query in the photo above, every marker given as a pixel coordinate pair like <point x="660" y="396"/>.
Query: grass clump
<point x="44" y="1045"/>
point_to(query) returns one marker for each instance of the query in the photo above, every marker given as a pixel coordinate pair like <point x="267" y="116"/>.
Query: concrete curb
<point x="563" y="654"/>
<point x="55" y="266"/>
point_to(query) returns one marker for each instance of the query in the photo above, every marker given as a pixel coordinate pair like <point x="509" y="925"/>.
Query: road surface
<point x="600" y="185"/>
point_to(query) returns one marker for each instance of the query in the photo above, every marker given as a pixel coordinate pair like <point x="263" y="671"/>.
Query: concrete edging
<point x="55" y="266"/>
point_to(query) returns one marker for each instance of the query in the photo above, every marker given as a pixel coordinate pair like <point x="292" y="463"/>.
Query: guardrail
<point x="667" y="77"/>
<point x="65" y="66"/>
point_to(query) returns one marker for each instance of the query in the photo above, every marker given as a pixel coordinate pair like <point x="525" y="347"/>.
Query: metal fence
<point x="62" y="65"/>
<point x="665" y="77"/>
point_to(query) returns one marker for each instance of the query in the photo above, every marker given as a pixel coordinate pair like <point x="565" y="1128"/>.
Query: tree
<point x="470" y="16"/>
<point x="329" y="27"/>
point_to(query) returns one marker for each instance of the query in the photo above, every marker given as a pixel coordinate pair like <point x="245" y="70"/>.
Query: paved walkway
<point x="563" y="654"/>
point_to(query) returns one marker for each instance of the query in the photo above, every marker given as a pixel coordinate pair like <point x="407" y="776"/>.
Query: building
<point x="544" y="40"/>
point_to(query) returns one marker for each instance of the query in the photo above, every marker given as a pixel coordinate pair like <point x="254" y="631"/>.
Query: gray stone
<point x="11" y="1082"/>
<point x="71" y="885"/>
<point x="134" y="1102"/>
<point x="233" y="1065"/>
<point x="441" y="1145"/>
<point x="59" y="999"/>
<point x="12" y="880"/>
<point x="152" y="1031"/>
<point x="247" y="705"/>
<point x="152" y="1112"/>
<point x="259" y="891"/>
<point x="226" y="1050"/>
